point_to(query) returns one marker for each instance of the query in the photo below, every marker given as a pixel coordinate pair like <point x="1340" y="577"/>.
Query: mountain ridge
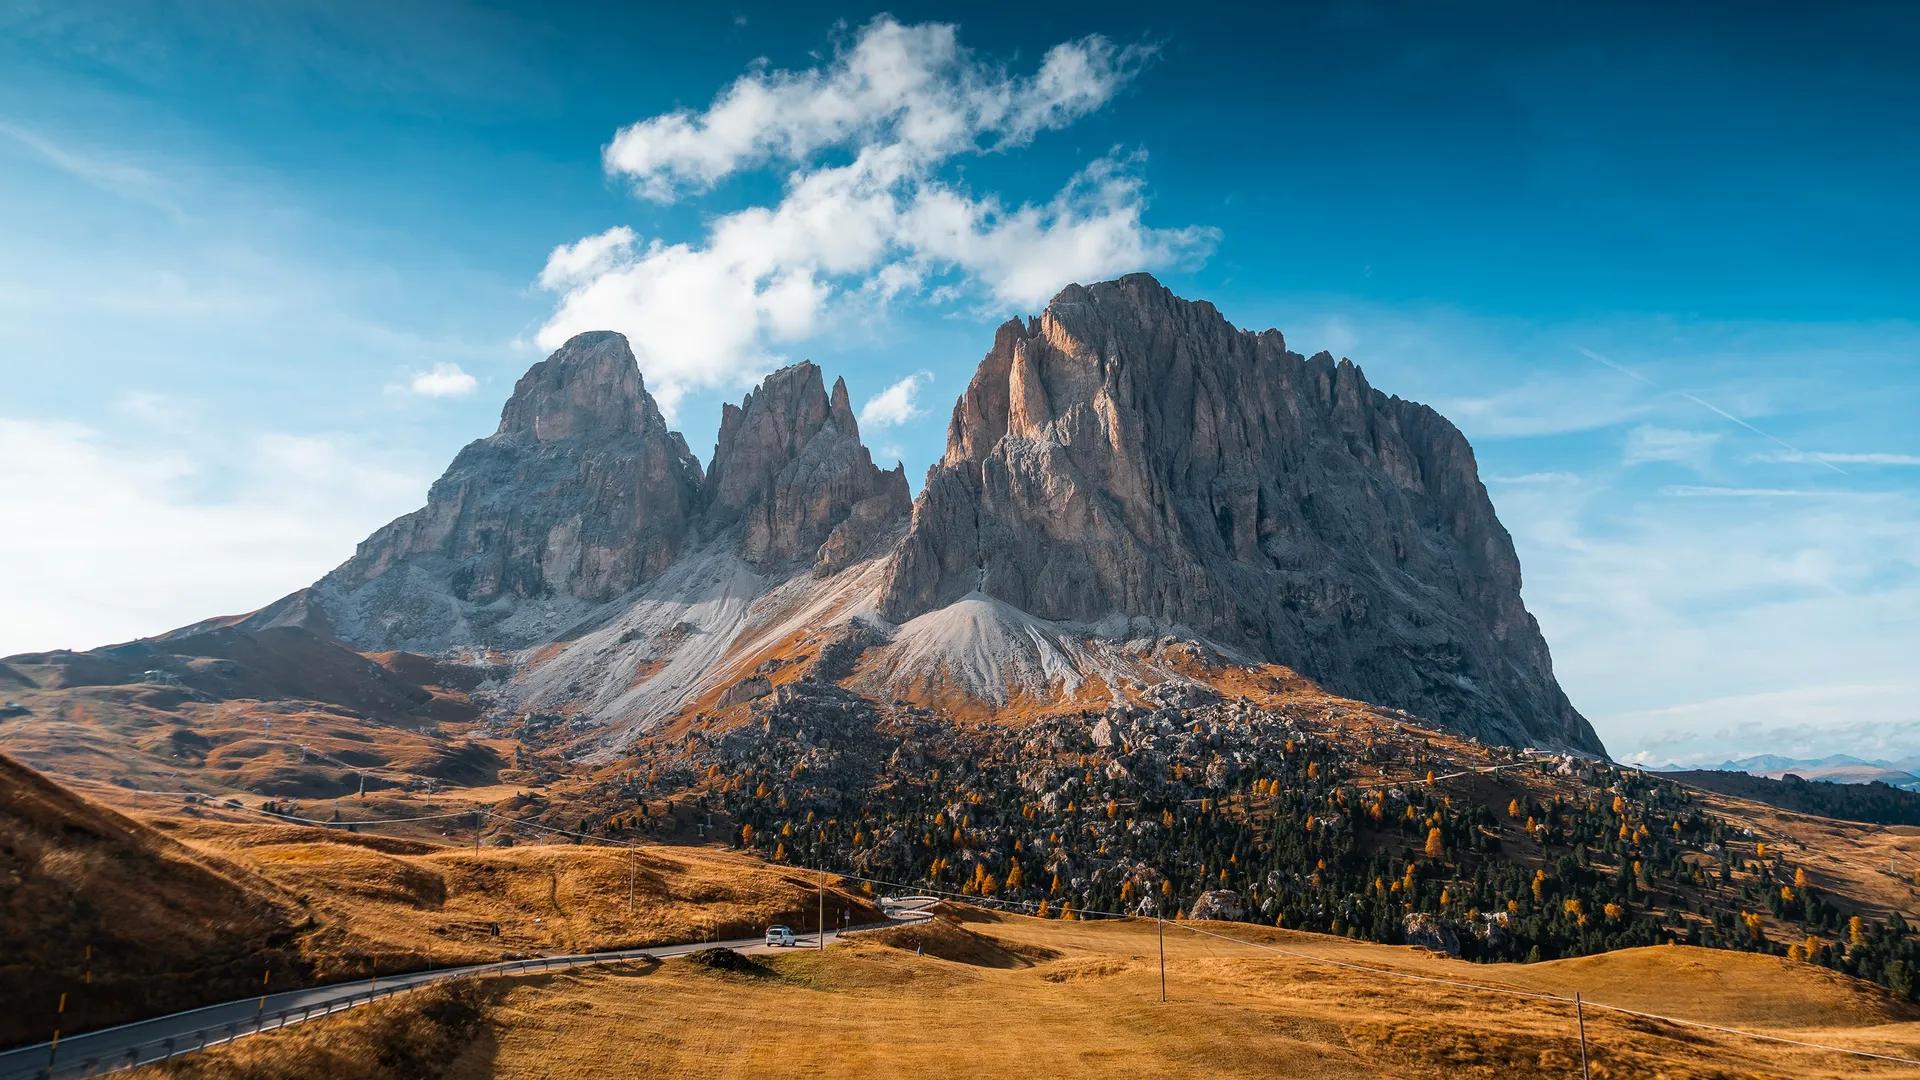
<point x="1123" y="470"/>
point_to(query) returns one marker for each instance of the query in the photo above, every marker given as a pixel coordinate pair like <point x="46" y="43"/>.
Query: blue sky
<point x="264" y="268"/>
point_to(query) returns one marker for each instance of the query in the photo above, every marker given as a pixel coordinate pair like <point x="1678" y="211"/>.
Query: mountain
<point x="580" y="495"/>
<point x="1872" y="800"/>
<point x="1132" y="453"/>
<point x="1182" y="622"/>
<point x="1126" y="473"/>
<point x="1834" y="768"/>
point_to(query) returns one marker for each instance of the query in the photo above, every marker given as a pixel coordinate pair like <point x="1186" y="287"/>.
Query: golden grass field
<point x="405" y="904"/>
<point x="136" y="915"/>
<point x="990" y="995"/>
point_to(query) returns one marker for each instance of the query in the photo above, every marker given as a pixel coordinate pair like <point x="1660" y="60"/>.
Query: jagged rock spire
<point x="789" y="469"/>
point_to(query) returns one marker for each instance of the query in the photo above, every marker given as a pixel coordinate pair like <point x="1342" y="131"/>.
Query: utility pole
<point x="820" y="918"/>
<point x="1161" y="925"/>
<point x="1580" y="1015"/>
<point x="260" y="1012"/>
<point x="59" y="1015"/>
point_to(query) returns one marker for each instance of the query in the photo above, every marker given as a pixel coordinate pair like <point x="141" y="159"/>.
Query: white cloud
<point x="897" y="404"/>
<point x="903" y="100"/>
<point x="911" y="87"/>
<point x="1092" y="228"/>
<point x="443" y="380"/>
<point x="1539" y="479"/>
<point x="1816" y="457"/>
<point x="1703" y="491"/>
<point x="587" y="258"/>
<point x="1546" y="405"/>
<point x="127" y="540"/>
<point x="1804" y="721"/>
<point x="1647" y="444"/>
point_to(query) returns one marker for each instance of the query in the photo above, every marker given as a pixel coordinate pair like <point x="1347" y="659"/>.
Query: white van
<point x="779" y="935"/>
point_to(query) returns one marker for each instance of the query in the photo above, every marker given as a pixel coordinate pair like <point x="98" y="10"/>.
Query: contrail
<point x="1711" y="407"/>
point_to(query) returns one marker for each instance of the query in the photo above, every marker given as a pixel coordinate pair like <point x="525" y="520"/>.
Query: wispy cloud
<point x="1648" y="444"/>
<point x="1667" y="610"/>
<point x="1545" y="406"/>
<point x="1817" y="457"/>
<point x="1804" y="721"/>
<point x="1538" y="479"/>
<point x="1696" y="491"/>
<point x="130" y="540"/>
<point x="123" y="179"/>
<point x="1703" y="403"/>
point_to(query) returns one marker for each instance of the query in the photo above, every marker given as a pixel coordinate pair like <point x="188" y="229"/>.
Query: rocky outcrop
<point x="1220" y="905"/>
<point x="580" y="495"/>
<point x="1129" y="452"/>
<point x="790" y="474"/>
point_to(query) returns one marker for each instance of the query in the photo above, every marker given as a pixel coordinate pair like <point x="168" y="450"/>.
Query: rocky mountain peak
<point x="589" y="386"/>
<point x="789" y="470"/>
<point x="582" y="494"/>
<point x="842" y="408"/>
<point x="1132" y="453"/>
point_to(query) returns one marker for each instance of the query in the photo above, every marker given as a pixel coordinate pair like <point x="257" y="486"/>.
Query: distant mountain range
<point x="1837" y="768"/>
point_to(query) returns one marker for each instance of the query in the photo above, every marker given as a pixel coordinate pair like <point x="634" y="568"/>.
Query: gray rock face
<point x="1132" y="452"/>
<point x="581" y="494"/>
<point x="1219" y="904"/>
<point x="790" y="474"/>
<point x="1429" y="932"/>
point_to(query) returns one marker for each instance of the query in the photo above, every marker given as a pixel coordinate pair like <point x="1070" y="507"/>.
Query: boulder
<point x="1428" y="931"/>
<point x="1219" y="904"/>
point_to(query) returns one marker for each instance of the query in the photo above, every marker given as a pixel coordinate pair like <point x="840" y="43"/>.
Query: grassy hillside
<point x="124" y="919"/>
<point x="1875" y="803"/>
<point x="989" y="996"/>
<point x="136" y="916"/>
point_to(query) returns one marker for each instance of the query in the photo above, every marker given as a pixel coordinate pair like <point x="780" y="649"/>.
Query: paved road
<point x="145" y="1041"/>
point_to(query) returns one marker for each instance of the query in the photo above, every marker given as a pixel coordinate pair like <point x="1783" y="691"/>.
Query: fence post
<point x="1580" y="1016"/>
<point x="1161" y="924"/>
